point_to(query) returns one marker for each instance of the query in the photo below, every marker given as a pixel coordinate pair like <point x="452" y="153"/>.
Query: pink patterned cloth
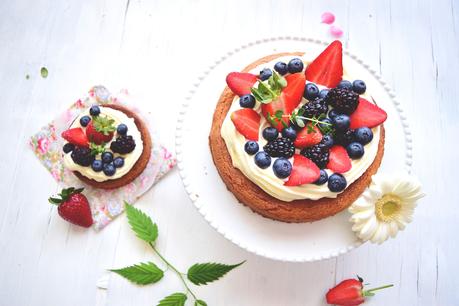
<point x="105" y="204"/>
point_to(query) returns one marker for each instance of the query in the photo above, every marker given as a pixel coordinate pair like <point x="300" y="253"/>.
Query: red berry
<point x="304" y="171"/>
<point x="306" y="138"/>
<point x="247" y="122"/>
<point x="338" y="160"/>
<point x="73" y="207"/>
<point x="367" y="114"/>
<point x="241" y="82"/>
<point x="76" y="136"/>
<point x="96" y="136"/>
<point x="327" y="68"/>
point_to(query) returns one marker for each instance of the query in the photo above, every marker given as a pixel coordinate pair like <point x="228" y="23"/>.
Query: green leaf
<point x="141" y="224"/>
<point x="141" y="274"/>
<point x="200" y="303"/>
<point x="27" y="76"/>
<point x="175" y="299"/>
<point x="55" y="201"/>
<point x="201" y="274"/>
<point x="44" y="72"/>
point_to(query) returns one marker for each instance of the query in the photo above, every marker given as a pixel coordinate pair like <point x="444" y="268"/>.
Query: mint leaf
<point x="201" y="274"/>
<point x="44" y="72"/>
<point x="141" y="224"/>
<point x="141" y="274"/>
<point x="175" y="299"/>
<point x="200" y="303"/>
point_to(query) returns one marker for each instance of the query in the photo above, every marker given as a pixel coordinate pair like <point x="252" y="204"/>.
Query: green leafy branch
<point x="298" y="118"/>
<point x="149" y="273"/>
<point x="270" y="90"/>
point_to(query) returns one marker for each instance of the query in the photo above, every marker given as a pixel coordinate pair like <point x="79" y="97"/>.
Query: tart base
<point x="259" y="201"/>
<point x="140" y="164"/>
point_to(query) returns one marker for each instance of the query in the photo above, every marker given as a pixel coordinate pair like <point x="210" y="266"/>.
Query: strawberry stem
<point x="379" y="288"/>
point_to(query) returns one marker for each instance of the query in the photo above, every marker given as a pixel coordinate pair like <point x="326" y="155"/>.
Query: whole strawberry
<point x="100" y="129"/>
<point x="350" y="293"/>
<point x="73" y="207"/>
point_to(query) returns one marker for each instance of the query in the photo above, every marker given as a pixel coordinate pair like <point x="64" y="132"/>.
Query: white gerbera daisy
<point x="386" y="207"/>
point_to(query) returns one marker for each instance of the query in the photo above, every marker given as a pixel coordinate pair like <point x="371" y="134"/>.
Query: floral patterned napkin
<point x="105" y="204"/>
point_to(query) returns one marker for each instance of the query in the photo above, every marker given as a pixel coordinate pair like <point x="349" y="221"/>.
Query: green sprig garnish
<point x="298" y="118"/>
<point x="149" y="273"/>
<point x="96" y="149"/>
<point x="270" y="90"/>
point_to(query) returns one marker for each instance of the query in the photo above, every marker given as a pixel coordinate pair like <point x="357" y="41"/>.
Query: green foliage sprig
<point x="270" y="90"/>
<point x="149" y="273"/>
<point x="298" y="118"/>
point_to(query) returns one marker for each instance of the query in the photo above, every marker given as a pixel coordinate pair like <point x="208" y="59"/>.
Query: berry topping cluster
<point x="89" y="147"/>
<point x="315" y="125"/>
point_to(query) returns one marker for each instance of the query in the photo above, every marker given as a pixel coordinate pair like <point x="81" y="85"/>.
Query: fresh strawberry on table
<point x="247" y="122"/>
<point x="338" y="160"/>
<point x="76" y="136"/>
<point x="308" y="136"/>
<point x="367" y="114"/>
<point x="350" y="293"/>
<point x="73" y="207"/>
<point x="100" y="129"/>
<point x="287" y="101"/>
<point x="304" y="171"/>
<point x="327" y="68"/>
<point x="241" y="82"/>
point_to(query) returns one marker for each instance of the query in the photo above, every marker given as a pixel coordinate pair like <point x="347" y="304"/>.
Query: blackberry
<point x="123" y="144"/>
<point x="281" y="147"/>
<point x="315" y="108"/>
<point x="82" y="156"/>
<point x="344" y="138"/>
<point x="318" y="154"/>
<point x="343" y="100"/>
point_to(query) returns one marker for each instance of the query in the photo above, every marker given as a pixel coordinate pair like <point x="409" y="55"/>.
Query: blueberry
<point x="109" y="169"/>
<point x="327" y="141"/>
<point x="118" y="162"/>
<point x="323" y="178"/>
<point x="107" y="157"/>
<point x="323" y="93"/>
<point x="265" y="74"/>
<point x="68" y="147"/>
<point x="281" y="68"/>
<point x="359" y="86"/>
<point x="325" y="126"/>
<point x="122" y="129"/>
<point x="251" y="147"/>
<point x="295" y="65"/>
<point x="84" y="121"/>
<point x="345" y="84"/>
<point x="289" y="132"/>
<point x="336" y="182"/>
<point x="355" y="150"/>
<point x="247" y="101"/>
<point x="311" y="91"/>
<point x="262" y="160"/>
<point x="270" y="133"/>
<point x="94" y="110"/>
<point x="282" y="167"/>
<point x="97" y="165"/>
<point x="333" y="113"/>
<point x="341" y="122"/>
<point x="363" y="135"/>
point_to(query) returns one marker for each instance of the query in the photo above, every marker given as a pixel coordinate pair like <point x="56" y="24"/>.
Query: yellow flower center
<point x="387" y="207"/>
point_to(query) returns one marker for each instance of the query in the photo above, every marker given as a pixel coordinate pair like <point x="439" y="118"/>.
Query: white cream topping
<point x="129" y="159"/>
<point x="265" y="178"/>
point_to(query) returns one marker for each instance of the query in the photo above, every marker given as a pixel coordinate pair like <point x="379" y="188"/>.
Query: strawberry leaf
<point x="141" y="274"/>
<point x="141" y="224"/>
<point x="204" y="273"/>
<point x="200" y="303"/>
<point x="175" y="299"/>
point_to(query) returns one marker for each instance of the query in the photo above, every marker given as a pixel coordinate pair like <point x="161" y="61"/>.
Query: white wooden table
<point x="156" y="48"/>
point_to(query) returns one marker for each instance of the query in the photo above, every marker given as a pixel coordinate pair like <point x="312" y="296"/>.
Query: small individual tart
<point x="107" y="146"/>
<point x="294" y="139"/>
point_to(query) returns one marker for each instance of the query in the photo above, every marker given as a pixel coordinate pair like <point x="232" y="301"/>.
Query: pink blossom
<point x="336" y="31"/>
<point x="328" y="18"/>
<point x="43" y="145"/>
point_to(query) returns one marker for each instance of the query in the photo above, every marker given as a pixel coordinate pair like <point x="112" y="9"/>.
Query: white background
<point x="156" y="49"/>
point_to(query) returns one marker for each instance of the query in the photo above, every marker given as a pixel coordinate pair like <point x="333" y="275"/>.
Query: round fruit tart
<point x="107" y="146"/>
<point x="297" y="139"/>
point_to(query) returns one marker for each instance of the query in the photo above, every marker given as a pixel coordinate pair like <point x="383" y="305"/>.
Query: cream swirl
<point x="129" y="159"/>
<point x="265" y="178"/>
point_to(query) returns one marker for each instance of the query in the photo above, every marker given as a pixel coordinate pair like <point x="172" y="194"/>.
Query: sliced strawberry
<point x="76" y="136"/>
<point x="367" y="114"/>
<point x="327" y="68"/>
<point x="288" y="100"/>
<point x="305" y="139"/>
<point x="247" y="122"/>
<point x="304" y="171"/>
<point x="240" y="82"/>
<point x="338" y="160"/>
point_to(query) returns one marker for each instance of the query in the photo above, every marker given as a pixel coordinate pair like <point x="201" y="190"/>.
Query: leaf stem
<point x="169" y="265"/>
<point x="379" y="288"/>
